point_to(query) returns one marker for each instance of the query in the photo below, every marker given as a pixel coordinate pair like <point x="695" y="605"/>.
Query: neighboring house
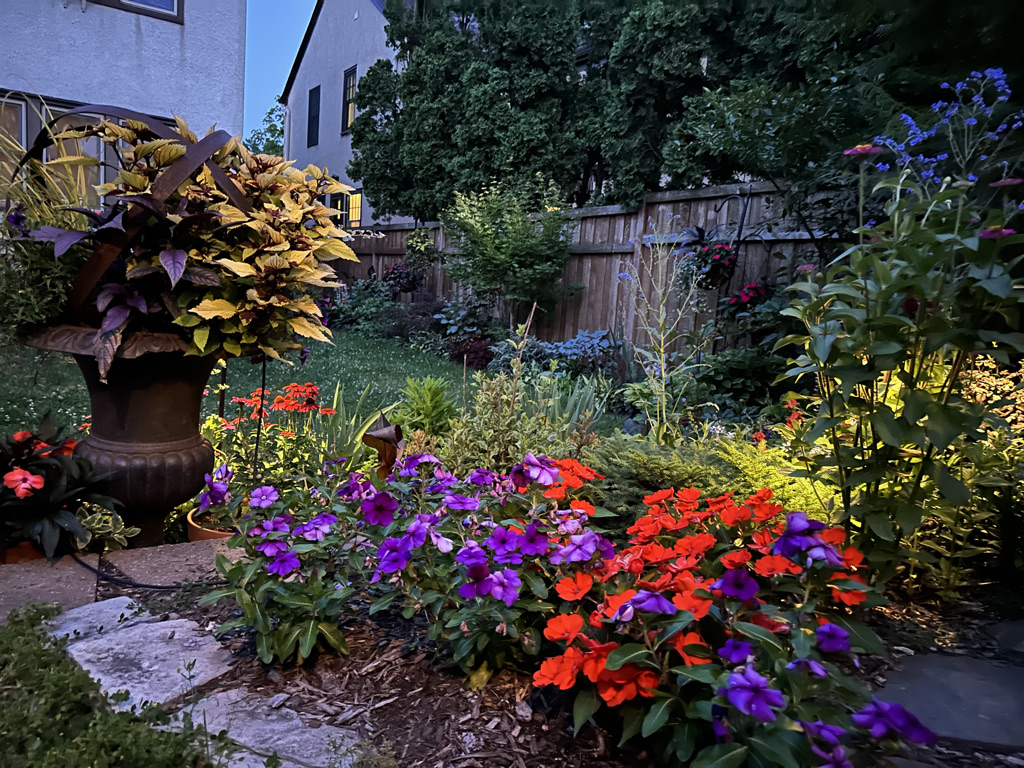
<point x="158" y="57"/>
<point x="343" y="39"/>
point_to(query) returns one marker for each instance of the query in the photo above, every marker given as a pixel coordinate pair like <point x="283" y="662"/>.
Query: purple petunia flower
<point x="652" y="602"/>
<point x="16" y="220"/>
<point x="416" y="533"/>
<point x="580" y="548"/>
<point x="835" y="758"/>
<point x="816" y="668"/>
<point x="750" y="694"/>
<point x="284" y="564"/>
<point x="830" y="734"/>
<point x="280" y="524"/>
<point x="443" y="480"/>
<point x="263" y="497"/>
<point x="533" y="541"/>
<point x="457" y="501"/>
<point x="832" y="638"/>
<point x="410" y="463"/>
<point x="480" y="581"/>
<point x="736" y="651"/>
<point x="801" y="543"/>
<point x="393" y="557"/>
<point x="272" y="548"/>
<point x="505" y="586"/>
<point x="442" y="543"/>
<point x="502" y="541"/>
<point x="738" y="583"/>
<point x="534" y="469"/>
<point x="379" y="509"/>
<point x="883" y="718"/>
<point x="471" y="554"/>
<point x="481" y="476"/>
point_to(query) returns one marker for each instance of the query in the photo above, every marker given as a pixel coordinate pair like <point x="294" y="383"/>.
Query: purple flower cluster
<point x="749" y="693"/>
<point x="582" y="547"/>
<point x="832" y="751"/>
<point x="317" y="528"/>
<point x="888" y="719"/>
<point x="801" y="542"/>
<point x="379" y="509"/>
<point x="644" y="600"/>
<point x="217" y="483"/>
<point x="534" y="469"/>
<point x="832" y="638"/>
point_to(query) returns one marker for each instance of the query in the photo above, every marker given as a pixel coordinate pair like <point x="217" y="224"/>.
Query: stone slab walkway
<point x="962" y="698"/>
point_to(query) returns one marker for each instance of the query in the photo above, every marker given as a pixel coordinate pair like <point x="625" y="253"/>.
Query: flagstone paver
<point x="171" y="563"/>
<point x="962" y="698"/>
<point x="1009" y="635"/>
<point x="65" y="582"/>
<point x="251" y="721"/>
<point x="151" y="661"/>
<point x="94" y="619"/>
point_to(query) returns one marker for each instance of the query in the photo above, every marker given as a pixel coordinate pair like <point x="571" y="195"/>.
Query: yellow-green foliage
<point x="988" y="382"/>
<point x="496" y="430"/>
<point x="759" y="468"/>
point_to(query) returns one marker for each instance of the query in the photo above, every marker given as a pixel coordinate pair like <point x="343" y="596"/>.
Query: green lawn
<point x="34" y="382"/>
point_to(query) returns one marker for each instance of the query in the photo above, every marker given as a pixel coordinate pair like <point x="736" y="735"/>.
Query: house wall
<point x="95" y="54"/>
<point x="347" y="33"/>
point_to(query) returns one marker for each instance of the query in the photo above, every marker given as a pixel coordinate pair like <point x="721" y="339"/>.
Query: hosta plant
<point x="723" y="635"/>
<point x="229" y="253"/>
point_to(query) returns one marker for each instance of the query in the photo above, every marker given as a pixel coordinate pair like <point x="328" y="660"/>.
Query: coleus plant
<point x="204" y="239"/>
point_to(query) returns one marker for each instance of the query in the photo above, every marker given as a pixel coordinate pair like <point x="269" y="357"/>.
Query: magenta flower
<point x="830" y="734"/>
<point x="883" y="718"/>
<point x="580" y="548"/>
<point x="481" y="476"/>
<point x="835" y="758"/>
<point x="505" y="586"/>
<point x="863" y="149"/>
<point x="263" y="497"/>
<point x="284" y="564"/>
<point x="1012" y="182"/>
<point x="379" y="509"/>
<point x="502" y="540"/>
<point x="394" y="556"/>
<point x="410" y="464"/>
<point x="317" y="528"/>
<point x="736" y="651"/>
<point x="480" y="582"/>
<point x="832" y="638"/>
<point x="750" y="694"/>
<point x="995" y="233"/>
<point x="277" y="524"/>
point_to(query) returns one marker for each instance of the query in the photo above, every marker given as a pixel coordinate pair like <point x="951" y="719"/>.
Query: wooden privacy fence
<point x="606" y="242"/>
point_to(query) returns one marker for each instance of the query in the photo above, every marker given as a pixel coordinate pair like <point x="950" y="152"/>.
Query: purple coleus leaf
<point x="66" y="240"/>
<point x="173" y="261"/>
<point x="201" y="276"/>
<point x="109" y="292"/>
<point x="47" y="234"/>
<point x="115" y="317"/>
<point x="134" y="300"/>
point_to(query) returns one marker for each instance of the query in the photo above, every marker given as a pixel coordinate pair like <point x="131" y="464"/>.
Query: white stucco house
<point x="158" y="57"/>
<point x="344" y="38"/>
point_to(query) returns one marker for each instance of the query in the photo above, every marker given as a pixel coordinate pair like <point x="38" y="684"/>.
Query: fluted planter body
<point x="144" y="441"/>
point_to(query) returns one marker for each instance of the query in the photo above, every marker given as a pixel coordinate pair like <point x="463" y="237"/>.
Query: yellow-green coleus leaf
<point x="240" y="268"/>
<point x="334" y="249"/>
<point x="211" y="308"/>
<point x="304" y="327"/>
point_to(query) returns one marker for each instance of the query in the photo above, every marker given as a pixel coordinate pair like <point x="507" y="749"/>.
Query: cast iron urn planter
<point x="144" y="442"/>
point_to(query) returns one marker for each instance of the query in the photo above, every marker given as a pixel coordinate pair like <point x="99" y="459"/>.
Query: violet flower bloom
<point x="815" y="668"/>
<point x="317" y="528"/>
<point x="471" y="554"/>
<point x="443" y="481"/>
<point x="379" y="509"/>
<point x="736" y="651"/>
<point x="272" y="548"/>
<point x="509" y="558"/>
<point x="995" y="233"/>
<point x="456" y="501"/>
<point x="1011" y="182"/>
<point x="416" y="533"/>
<point x="481" y="476"/>
<point x="280" y="524"/>
<point x="505" y="586"/>
<point x="392" y="556"/>
<point x="480" y="582"/>
<point x="801" y="543"/>
<point x="534" y="469"/>
<point x="653" y="602"/>
<point x="16" y="220"/>
<point x="356" y="487"/>
<point x="738" y="583"/>
<point x="830" y="734"/>
<point x="836" y="758"/>
<point x="410" y="463"/>
<point x="832" y="638"/>
<point x="263" y="497"/>
<point x="533" y="541"/>
<point x="570" y="526"/>
<point x="883" y="718"/>
<point x="502" y="540"/>
<point x="750" y="694"/>
<point x="284" y="564"/>
<point x="580" y="548"/>
<point x="442" y="543"/>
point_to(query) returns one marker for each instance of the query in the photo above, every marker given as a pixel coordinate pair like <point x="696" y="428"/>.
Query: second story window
<point x="171" y="10"/>
<point x="313" y="118"/>
<point x="348" y="101"/>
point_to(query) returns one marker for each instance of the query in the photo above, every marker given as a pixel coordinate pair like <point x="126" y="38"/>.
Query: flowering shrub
<point x="480" y="556"/>
<point x="44" y="488"/>
<point x="750" y="295"/>
<point x="721" y="630"/>
<point x="292" y="584"/>
<point x="400" y="279"/>
<point x="712" y="265"/>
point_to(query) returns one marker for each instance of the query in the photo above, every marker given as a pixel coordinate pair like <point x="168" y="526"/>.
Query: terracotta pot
<point x="23" y="552"/>
<point x="144" y="441"/>
<point x="196" y="532"/>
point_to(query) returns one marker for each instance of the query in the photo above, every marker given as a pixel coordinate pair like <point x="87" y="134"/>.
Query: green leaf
<point x="684" y="739"/>
<point x="861" y="636"/>
<point x="886" y="427"/>
<point x="536" y="584"/>
<point x="943" y="426"/>
<point x="630" y="653"/>
<point x="721" y="756"/>
<point x="586" y="704"/>
<point x="285" y="638"/>
<point x="334" y="636"/>
<point x="217" y="595"/>
<point x="383" y="602"/>
<point x="778" y="750"/>
<point x="632" y="720"/>
<point x="295" y="600"/>
<point x="949" y="486"/>
<point x="761" y="634"/>
<point x="265" y="647"/>
<point x="881" y="526"/>
<point x="657" y="716"/>
<point x="308" y="634"/>
<point x="700" y="673"/>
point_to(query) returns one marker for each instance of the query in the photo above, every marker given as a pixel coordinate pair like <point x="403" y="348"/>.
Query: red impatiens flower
<point x="23" y="482"/>
<point x="850" y="597"/>
<point x="736" y="559"/>
<point x="20" y="437"/>
<point x="680" y="642"/>
<point x="626" y="683"/>
<point x="660" y="496"/>
<point x="773" y="565"/>
<point x="565" y="627"/>
<point x="574" y="587"/>
<point x="596" y="657"/>
<point x="582" y="506"/>
<point x="560" y="671"/>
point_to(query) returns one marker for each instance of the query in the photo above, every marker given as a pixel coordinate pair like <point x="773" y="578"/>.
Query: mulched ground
<point x="396" y="688"/>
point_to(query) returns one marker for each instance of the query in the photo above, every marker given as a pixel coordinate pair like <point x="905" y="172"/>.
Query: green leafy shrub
<point x="426" y="406"/>
<point x="741" y="378"/>
<point x="53" y="715"/>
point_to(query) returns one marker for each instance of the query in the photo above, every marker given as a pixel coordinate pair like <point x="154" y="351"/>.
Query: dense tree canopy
<point x="611" y="100"/>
